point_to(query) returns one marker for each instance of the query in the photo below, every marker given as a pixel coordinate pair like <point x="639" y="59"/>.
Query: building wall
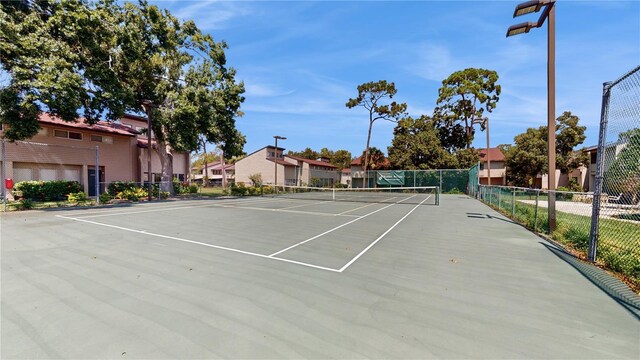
<point x="498" y="173"/>
<point x="258" y="163"/>
<point x="47" y="157"/>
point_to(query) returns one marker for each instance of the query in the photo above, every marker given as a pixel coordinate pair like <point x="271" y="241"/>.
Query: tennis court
<point x="404" y="275"/>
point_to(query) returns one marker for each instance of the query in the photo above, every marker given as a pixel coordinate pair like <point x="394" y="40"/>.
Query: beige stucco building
<point x="67" y="151"/>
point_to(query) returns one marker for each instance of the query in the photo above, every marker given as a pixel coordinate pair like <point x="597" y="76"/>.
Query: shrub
<point x="77" y="197"/>
<point x="193" y="189"/>
<point x="560" y="195"/>
<point x="238" y="189"/>
<point x="116" y="187"/>
<point x="105" y="198"/>
<point x="340" y="186"/>
<point x="24" y="204"/>
<point x="47" y="190"/>
<point x="132" y="194"/>
<point x="256" y="179"/>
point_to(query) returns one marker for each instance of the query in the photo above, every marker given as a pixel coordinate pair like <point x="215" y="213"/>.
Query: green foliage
<point x="564" y="194"/>
<point x="193" y="189"/>
<point x="105" y="197"/>
<point x="238" y="189"/>
<point x="415" y="145"/>
<point x="371" y="96"/>
<point x="116" y="187"/>
<point x="623" y="176"/>
<point x="64" y="57"/>
<point x="256" y="179"/>
<point x="340" y="158"/>
<point x="376" y="159"/>
<point x="463" y="97"/>
<point x="307" y="153"/>
<point x="132" y="194"/>
<point x="202" y="158"/>
<point x="77" y="197"/>
<point x="466" y="158"/>
<point x="47" y="190"/>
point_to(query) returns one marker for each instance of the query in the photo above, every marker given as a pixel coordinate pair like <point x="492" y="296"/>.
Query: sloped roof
<point x="100" y="126"/>
<point x="282" y="162"/>
<point x="312" y="162"/>
<point x="495" y="154"/>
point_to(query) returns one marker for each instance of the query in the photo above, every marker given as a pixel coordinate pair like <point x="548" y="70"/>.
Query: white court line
<point x="117" y="213"/>
<point x="381" y="236"/>
<point x="287" y="211"/>
<point x="358" y="208"/>
<point x="199" y="243"/>
<point x="336" y="228"/>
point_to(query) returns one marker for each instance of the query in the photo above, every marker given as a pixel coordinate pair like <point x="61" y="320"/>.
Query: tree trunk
<point x="205" y="178"/>
<point x="366" y="153"/>
<point x="165" y="153"/>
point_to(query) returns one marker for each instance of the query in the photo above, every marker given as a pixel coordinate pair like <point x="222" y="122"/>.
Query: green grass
<point x="211" y="191"/>
<point x="618" y="246"/>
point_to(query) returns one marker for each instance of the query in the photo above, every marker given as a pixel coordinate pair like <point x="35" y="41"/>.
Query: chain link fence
<point x="452" y="181"/>
<point x="615" y="230"/>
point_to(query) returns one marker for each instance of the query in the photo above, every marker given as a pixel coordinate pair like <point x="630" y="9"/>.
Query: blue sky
<point x="302" y="60"/>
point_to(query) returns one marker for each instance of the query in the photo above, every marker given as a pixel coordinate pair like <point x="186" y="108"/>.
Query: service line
<point x="338" y="227"/>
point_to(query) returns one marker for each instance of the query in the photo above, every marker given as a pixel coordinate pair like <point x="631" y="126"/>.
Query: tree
<point x="205" y="158"/>
<point x="74" y="55"/>
<point x="415" y="145"/>
<point x="463" y="97"/>
<point x="569" y="135"/>
<point x="466" y="158"/>
<point x="623" y="176"/>
<point x="341" y="159"/>
<point x="370" y="96"/>
<point x="529" y="155"/>
<point x="58" y="56"/>
<point x="307" y="153"/>
<point x="376" y="159"/>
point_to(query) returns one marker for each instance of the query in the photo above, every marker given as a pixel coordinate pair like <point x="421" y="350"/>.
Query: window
<point x="67" y="134"/>
<point x="48" y="174"/>
<point x="102" y="139"/>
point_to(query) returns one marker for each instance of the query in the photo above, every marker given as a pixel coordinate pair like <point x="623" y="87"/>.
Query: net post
<point x="333" y="194"/>
<point x="535" y="216"/>
<point x="513" y="202"/>
<point x="437" y="196"/>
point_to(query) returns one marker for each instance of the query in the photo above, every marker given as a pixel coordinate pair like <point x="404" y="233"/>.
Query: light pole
<point x="148" y="106"/>
<point x="485" y="122"/>
<point x="275" y="160"/>
<point x="548" y="12"/>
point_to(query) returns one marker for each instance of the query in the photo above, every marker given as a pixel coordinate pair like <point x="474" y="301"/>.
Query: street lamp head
<point x="527" y="8"/>
<point x="520" y="28"/>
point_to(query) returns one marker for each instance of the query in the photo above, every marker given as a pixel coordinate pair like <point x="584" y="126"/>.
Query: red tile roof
<point x="282" y="162"/>
<point x="100" y="126"/>
<point x="142" y="143"/>
<point x="495" y="154"/>
<point x="313" y="162"/>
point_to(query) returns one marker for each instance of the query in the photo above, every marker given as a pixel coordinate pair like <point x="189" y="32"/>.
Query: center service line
<point x="338" y="227"/>
<point x="199" y="243"/>
<point x="381" y="236"/>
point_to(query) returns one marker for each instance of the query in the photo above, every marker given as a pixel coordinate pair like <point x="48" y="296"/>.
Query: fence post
<point x="597" y="191"/>
<point x="535" y="216"/>
<point x="499" y="193"/>
<point x="513" y="203"/>
<point x="440" y="180"/>
<point x="97" y="181"/>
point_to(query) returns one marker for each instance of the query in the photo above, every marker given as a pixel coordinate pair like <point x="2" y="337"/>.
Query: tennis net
<point x="424" y="195"/>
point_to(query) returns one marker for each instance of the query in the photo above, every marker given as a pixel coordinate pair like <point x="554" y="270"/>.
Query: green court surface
<point x="288" y="278"/>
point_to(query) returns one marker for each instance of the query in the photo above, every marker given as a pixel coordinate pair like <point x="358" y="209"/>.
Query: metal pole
<point x="597" y="192"/>
<point x="97" y="181"/>
<point x="223" y="171"/>
<point x="440" y="179"/>
<point x="513" y="203"/>
<point x="4" y="184"/>
<point x="149" y="147"/>
<point x="275" y="165"/>
<point x="551" y="114"/>
<point x="535" y="216"/>
<point x="414" y="177"/>
<point x="488" y="157"/>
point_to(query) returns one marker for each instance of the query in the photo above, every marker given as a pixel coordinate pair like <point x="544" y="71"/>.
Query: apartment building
<point x="266" y="161"/>
<point x="498" y="167"/>
<point x="69" y="151"/>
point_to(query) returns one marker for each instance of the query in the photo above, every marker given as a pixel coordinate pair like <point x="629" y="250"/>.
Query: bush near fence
<point x="618" y="245"/>
<point x="47" y="190"/>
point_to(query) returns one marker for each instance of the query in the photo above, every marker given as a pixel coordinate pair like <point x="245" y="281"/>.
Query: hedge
<point x="47" y="190"/>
